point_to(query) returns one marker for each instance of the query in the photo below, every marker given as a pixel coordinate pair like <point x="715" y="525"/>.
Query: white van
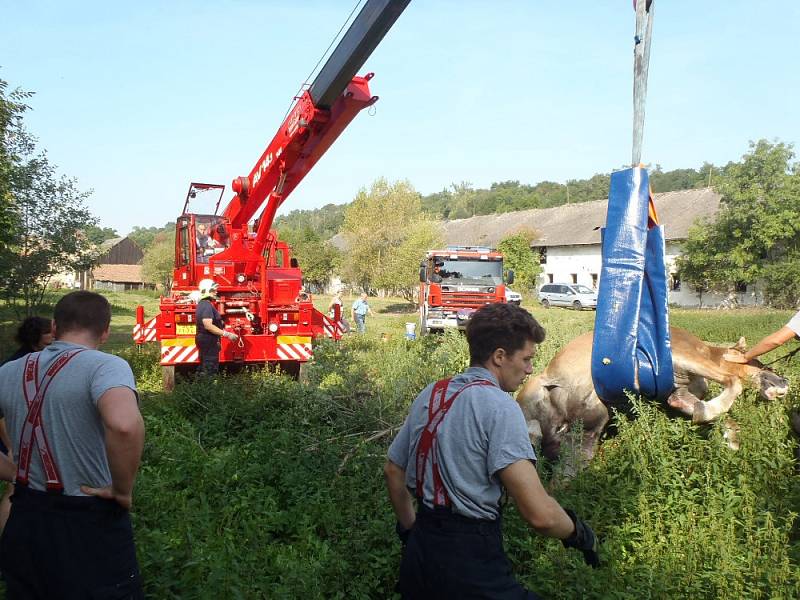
<point x="574" y="295"/>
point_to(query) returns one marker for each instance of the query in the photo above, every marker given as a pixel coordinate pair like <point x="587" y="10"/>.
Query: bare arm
<point x="211" y="328"/>
<point x="535" y="505"/>
<point x="401" y="500"/>
<point x="772" y="341"/>
<point x="8" y="470"/>
<point x="124" y="429"/>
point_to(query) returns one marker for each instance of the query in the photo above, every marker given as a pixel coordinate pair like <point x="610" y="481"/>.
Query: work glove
<point x="231" y="336"/>
<point x="583" y="539"/>
<point x="402" y="533"/>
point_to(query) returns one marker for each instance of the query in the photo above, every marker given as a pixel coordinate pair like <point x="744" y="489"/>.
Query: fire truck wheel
<point x="168" y="378"/>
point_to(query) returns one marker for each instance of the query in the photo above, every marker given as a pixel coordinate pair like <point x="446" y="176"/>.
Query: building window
<point x="549" y="278"/>
<point x="594" y="281"/>
<point x="675" y="283"/>
<point x="741" y="287"/>
<point x="543" y="255"/>
<point x="574" y="277"/>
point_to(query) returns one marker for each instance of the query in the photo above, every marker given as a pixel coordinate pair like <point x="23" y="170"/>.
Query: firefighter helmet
<point x="207" y="288"/>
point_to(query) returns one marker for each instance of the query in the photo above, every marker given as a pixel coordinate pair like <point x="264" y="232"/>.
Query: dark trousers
<point x="452" y="557"/>
<point x="208" y="347"/>
<point x="68" y="547"/>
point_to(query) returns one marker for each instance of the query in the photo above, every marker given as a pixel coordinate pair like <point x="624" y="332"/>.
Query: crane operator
<point x="210" y="328"/>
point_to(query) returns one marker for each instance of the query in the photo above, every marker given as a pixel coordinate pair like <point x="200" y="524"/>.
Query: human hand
<point x="583" y="539"/>
<point x="402" y="533"/>
<point x="734" y="356"/>
<point x="108" y="493"/>
<point x="231" y="336"/>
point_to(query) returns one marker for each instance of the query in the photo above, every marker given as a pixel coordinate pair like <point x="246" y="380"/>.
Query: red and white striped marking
<point x="301" y="352"/>
<point x="145" y="333"/>
<point x="331" y="327"/>
<point x="179" y="355"/>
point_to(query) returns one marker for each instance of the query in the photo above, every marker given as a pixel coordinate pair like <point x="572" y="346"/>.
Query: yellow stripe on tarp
<point x="294" y="339"/>
<point x="178" y="342"/>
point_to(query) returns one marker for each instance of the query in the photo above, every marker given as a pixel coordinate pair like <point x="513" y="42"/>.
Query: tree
<point x="97" y="235"/>
<point x="315" y="256"/>
<point x="50" y="216"/>
<point x="144" y="236"/>
<point x="159" y="260"/>
<point x="517" y="255"/>
<point x="387" y="235"/>
<point x="757" y="228"/>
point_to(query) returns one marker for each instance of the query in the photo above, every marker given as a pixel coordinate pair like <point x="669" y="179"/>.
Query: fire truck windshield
<point x="470" y="270"/>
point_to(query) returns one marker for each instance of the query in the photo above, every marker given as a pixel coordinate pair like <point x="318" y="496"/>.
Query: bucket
<point x="411" y="331"/>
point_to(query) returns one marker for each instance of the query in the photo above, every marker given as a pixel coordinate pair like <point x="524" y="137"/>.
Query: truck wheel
<point x="577" y="305"/>
<point x="546" y="303"/>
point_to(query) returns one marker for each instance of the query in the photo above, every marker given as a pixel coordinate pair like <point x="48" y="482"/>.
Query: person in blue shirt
<point x="360" y="311"/>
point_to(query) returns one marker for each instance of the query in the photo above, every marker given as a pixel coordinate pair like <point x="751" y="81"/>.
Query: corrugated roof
<point x="578" y="224"/>
<point x="118" y="273"/>
<point x="573" y="224"/>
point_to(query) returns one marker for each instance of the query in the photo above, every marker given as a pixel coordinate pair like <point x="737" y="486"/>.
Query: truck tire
<point x="168" y="378"/>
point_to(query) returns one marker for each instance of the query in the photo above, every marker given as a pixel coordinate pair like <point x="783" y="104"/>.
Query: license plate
<point x="185" y="329"/>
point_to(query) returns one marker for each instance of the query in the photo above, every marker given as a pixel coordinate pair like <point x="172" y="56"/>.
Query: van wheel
<point x="577" y="305"/>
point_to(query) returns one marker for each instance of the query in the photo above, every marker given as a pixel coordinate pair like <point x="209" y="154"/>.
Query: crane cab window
<point x="182" y="250"/>
<point x="211" y="237"/>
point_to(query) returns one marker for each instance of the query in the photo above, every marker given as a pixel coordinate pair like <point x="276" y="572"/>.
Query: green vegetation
<point x="261" y="486"/>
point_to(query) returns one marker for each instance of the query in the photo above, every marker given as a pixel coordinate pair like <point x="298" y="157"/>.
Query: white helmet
<point x="207" y="288"/>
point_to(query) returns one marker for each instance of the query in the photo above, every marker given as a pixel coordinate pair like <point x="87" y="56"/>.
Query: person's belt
<point x="444" y="519"/>
<point x="25" y="498"/>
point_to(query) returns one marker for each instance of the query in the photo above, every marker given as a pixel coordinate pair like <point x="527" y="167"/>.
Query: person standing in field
<point x="210" y="328"/>
<point x="73" y="415"/>
<point x="463" y="443"/>
<point x="359" y="312"/>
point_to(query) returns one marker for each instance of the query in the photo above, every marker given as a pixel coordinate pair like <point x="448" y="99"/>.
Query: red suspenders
<point x="32" y="430"/>
<point x="437" y="409"/>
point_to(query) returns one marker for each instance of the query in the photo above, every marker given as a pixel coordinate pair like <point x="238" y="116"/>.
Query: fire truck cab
<point x="457" y="281"/>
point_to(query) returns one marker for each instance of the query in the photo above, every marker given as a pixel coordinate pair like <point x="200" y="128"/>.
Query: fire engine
<point x="457" y="281"/>
<point x="260" y="295"/>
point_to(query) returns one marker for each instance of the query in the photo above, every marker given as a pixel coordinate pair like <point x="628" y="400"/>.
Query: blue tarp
<point x="631" y="349"/>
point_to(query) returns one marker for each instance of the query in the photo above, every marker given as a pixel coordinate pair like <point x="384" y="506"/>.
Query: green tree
<point x="144" y="236"/>
<point x="316" y="257"/>
<point x="517" y="255"/>
<point x="386" y="234"/>
<point x="159" y="260"/>
<point x="757" y="228"/>
<point x="97" y="235"/>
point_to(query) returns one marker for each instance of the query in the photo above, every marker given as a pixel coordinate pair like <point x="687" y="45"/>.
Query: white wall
<point x="584" y="261"/>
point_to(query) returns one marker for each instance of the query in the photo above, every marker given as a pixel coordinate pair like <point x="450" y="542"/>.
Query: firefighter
<point x="210" y="328"/>
<point x="469" y="440"/>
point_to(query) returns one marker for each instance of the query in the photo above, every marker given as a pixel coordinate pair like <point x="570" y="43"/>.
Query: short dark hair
<point x="82" y="311"/>
<point x="31" y="330"/>
<point x="506" y="326"/>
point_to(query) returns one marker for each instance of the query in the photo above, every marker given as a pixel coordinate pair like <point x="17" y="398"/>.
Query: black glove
<point x="402" y="533"/>
<point x="584" y="539"/>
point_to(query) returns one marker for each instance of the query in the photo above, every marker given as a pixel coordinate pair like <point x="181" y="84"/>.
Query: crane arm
<point x="317" y="118"/>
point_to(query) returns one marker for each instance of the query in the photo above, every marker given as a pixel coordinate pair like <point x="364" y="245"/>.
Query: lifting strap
<point x="32" y="429"/>
<point x="437" y="409"/>
<point x="631" y="350"/>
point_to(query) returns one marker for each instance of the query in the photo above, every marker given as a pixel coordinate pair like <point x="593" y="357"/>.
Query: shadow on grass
<point x="405" y="308"/>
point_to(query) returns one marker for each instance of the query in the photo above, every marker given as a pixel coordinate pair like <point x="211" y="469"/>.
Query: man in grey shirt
<point x="464" y="441"/>
<point x="73" y="416"/>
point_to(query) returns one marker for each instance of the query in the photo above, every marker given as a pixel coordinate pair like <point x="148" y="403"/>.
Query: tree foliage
<point x="97" y="235"/>
<point x="316" y="257"/>
<point x="517" y="255"/>
<point x="42" y="214"/>
<point x="756" y="233"/>
<point x="387" y="235"/>
<point x="144" y="236"/>
<point x="158" y="263"/>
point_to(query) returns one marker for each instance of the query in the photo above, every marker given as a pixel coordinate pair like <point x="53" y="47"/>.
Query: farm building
<point x="568" y="239"/>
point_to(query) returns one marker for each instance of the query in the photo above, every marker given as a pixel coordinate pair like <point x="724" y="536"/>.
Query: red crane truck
<point x="457" y="281"/>
<point x="260" y="295"/>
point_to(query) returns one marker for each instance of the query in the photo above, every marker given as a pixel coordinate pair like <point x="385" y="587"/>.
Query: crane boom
<point x="317" y="118"/>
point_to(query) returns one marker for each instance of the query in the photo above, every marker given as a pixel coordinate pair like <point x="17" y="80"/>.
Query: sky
<point x="138" y="99"/>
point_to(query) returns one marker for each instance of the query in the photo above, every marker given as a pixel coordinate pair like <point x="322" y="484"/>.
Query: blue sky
<point x="137" y="99"/>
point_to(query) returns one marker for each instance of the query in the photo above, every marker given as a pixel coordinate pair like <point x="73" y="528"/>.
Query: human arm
<point x="8" y="469"/>
<point x="211" y="328"/>
<point x="769" y="343"/>
<point x="124" y="440"/>
<point x="400" y="498"/>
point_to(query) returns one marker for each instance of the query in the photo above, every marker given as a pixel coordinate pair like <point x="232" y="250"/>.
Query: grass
<point x="258" y="486"/>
